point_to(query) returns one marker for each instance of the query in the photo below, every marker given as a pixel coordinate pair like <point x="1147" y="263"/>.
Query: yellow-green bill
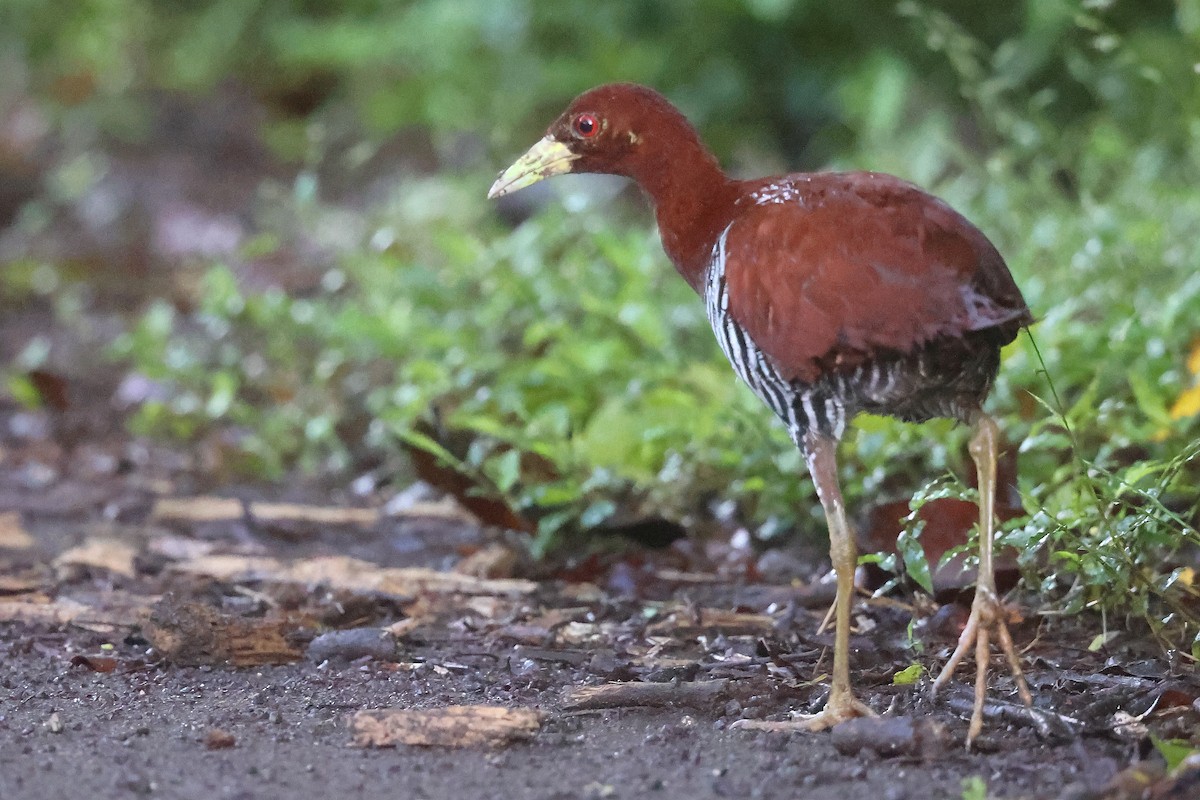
<point x="545" y="159"/>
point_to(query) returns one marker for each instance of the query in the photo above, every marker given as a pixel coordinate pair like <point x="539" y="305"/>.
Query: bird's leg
<point x="986" y="611"/>
<point x="821" y="455"/>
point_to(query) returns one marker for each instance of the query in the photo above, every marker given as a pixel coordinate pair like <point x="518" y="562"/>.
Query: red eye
<point x="586" y="126"/>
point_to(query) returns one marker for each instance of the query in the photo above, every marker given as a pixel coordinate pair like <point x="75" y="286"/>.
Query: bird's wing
<point x="840" y="265"/>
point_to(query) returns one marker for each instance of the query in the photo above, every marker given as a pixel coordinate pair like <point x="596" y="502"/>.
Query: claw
<point x="838" y="709"/>
<point x="986" y="614"/>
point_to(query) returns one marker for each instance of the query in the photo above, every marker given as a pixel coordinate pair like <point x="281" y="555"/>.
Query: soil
<point x="210" y="648"/>
<point x="98" y="678"/>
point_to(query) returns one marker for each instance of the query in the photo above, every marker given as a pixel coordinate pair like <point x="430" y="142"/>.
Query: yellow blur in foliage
<point x="1188" y="403"/>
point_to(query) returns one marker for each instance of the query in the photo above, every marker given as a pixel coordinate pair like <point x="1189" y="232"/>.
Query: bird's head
<point x="619" y="128"/>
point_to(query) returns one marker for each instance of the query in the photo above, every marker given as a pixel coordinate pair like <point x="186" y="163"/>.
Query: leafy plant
<point x="561" y="365"/>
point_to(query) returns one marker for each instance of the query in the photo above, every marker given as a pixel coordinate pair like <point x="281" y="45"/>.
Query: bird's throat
<point x="693" y="202"/>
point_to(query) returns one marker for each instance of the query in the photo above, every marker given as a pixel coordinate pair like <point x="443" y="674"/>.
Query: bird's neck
<point x="693" y="201"/>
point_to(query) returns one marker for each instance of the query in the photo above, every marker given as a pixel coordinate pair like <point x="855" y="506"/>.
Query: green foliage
<point x="908" y="676"/>
<point x="574" y="346"/>
<point x="974" y="788"/>
<point x="1173" y="751"/>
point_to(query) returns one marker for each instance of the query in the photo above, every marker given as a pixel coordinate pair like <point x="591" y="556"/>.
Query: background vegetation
<point x="546" y="348"/>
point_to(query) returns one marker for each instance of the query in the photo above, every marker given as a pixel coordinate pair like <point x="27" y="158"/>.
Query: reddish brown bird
<point x="831" y="294"/>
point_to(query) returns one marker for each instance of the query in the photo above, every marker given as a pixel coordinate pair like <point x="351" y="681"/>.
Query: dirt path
<point x="67" y="730"/>
<point x="213" y="648"/>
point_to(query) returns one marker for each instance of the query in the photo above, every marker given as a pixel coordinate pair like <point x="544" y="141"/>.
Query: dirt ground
<point x="191" y="648"/>
<point x="166" y="631"/>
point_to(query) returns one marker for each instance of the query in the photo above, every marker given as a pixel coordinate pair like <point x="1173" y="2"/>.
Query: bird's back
<point x="834" y="293"/>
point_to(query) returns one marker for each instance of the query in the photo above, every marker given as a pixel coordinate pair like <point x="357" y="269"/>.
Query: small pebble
<point x="217" y="739"/>
<point x="352" y="644"/>
<point x="890" y="736"/>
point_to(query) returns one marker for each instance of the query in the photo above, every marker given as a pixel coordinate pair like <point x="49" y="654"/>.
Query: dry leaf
<point x="96" y="663"/>
<point x="453" y="726"/>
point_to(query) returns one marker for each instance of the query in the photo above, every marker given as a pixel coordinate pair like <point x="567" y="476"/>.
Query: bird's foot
<point x="839" y="708"/>
<point x="987" y="614"/>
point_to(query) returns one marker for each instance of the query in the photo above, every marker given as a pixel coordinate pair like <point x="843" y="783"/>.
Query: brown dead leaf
<point x="101" y="552"/>
<point x="51" y="388"/>
<point x="453" y="726"/>
<point x="351" y="574"/>
<point x="13" y="535"/>
<point x="95" y="663"/>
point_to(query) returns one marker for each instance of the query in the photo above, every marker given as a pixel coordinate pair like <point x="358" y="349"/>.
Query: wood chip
<point x="179" y="548"/>
<point x="694" y="694"/>
<point x="453" y="726"/>
<point x="447" y="508"/>
<point x="101" y="552"/>
<point x="191" y="634"/>
<point x="351" y="574"/>
<point x="40" y="609"/>
<point x="196" y="509"/>
<point x="224" y="509"/>
<point x="318" y="515"/>
<point x="493" y="561"/>
<point x="115" y="611"/>
<point x="686" y="625"/>
<point x="26" y="580"/>
<point x="13" y="535"/>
